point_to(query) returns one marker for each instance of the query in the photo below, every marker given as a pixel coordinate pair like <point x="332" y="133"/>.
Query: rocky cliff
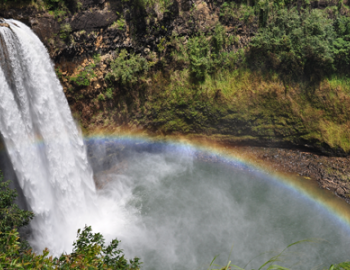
<point x="180" y="67"/>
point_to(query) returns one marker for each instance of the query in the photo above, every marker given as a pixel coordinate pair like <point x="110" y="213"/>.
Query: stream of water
<point x="44" y="145"/>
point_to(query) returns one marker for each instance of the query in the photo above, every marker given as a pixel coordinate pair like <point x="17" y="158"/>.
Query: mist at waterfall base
<point x="182" y="206"/>
<point x="171" y="205"/>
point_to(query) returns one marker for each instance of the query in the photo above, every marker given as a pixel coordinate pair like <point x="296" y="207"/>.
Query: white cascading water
<point x="42" y="140"/>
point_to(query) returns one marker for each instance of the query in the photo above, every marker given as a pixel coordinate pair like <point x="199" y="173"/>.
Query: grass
<point x="84" y="75"/>
<point x="341" y="82"/>
<point x="119" y="24"/>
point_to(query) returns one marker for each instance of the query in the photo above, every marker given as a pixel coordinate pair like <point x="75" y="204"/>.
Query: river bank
<point x="331" y="173"/>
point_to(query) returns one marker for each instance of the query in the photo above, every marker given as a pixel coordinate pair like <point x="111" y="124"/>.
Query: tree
<point x="11" y="216"/>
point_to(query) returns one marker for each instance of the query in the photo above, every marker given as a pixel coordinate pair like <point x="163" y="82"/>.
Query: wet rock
<point x="45" y="28"/>
<point x="340" y="191"/>
<point x="4" y="25"/>
<point x="92" y="20"/>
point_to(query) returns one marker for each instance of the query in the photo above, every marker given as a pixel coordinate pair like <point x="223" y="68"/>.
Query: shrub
<point x="97" y="58"/>
<point x="206" y="55"/>
<point x="89" y="252"/>
<point x="295" y="44"/>
<point x="127" y="68"/>
<point x="237" y="12"/>
<point x="109" y="93"/>
<point x="101" y="97"/>
<point x="341" y="44"/>
<point x="84" y="76"/>
<point x="66" y="29"/>
<point x="198" y="49"/>
<point x="219" y="40"/>
<point x="10" y="215"/>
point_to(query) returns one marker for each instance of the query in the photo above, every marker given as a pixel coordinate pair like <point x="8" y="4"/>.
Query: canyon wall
<point x="180" y="67"/>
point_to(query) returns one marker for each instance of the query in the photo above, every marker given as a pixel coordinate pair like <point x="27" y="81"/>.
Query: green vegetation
<point x="97" y="59"/>
<point x="119" y="24"/>
<point x="109" y="93"/>
<point x="127" y="68"/>
<point x="84" y="76"/>
<point x="243" y="105"/>
<point x="66" y="29"/>
<point x="206" y="56"/>
<point x="301" y="45"/>
<point x="10" y="215"/>
<point x="237" y="11"/>
<point x="101" y="97"/>
<point x="161" y="5"/>
<point x="89" y="252"/>
<point x="58" y="73"/>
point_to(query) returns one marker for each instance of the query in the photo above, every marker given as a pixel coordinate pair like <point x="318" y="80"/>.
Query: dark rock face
<point x="44" y="27"/>
<point x="127" y="24"/>
<point x="90" y="20"/>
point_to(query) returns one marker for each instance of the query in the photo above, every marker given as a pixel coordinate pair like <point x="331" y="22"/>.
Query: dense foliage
<point x="127" y="68"/>
<point x="89" y="252"/>
<point x="305" y="44"/>
<point x="11" y="216"/>
<point x="206" y="56"/>
<point x="296" y="41"/>
<point x="84" y="76"/>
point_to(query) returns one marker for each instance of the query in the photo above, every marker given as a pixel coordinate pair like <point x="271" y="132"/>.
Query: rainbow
<point x="333" y="207"/>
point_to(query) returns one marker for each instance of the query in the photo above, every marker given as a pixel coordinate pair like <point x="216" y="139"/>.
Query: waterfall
<point x="45" y="147"/>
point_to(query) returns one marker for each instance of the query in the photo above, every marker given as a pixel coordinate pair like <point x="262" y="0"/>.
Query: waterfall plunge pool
<point x="181" y="206"/>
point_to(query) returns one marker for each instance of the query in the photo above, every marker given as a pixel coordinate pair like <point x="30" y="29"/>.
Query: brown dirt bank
<point x="331" y="173"/>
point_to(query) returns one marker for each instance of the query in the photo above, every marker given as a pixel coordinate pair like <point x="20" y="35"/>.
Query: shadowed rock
<point x="3" y="24"/>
